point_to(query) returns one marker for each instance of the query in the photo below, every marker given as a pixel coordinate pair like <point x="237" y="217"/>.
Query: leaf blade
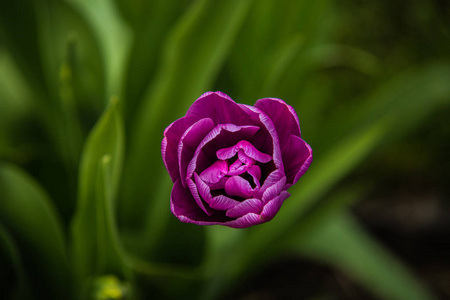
<point x="106" y="138"/>
<point x="26" y="211"/>
<point x="357" y="254"/>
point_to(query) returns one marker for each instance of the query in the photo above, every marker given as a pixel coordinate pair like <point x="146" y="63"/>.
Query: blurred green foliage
<point x="87" y="88"/>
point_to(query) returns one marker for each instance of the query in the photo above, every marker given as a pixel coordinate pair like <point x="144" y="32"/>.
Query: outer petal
<point x="247" y="206"/>
<point x="274" y="190"/>
<point x="298" y="156"/>
<point x="169" y="145"/>
<point x="273" y="206"/>
<point x="189" y="142"/>
<point x="263" y="140"/>
<point x="196" y="194"/>
<point x="245" y="221"/>
<point x="183" y="204"/>
<point x="282" y="115"/>
<point x="220" y="108"/>
<point x="184" y="207"/>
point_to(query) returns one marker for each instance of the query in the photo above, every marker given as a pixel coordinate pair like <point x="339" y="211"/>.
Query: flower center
<point x="236" y="170"/>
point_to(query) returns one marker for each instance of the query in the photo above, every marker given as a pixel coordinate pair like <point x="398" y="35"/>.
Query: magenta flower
<point x="231" y="164"/>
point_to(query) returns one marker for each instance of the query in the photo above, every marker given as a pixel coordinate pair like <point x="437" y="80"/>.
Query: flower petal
<point x="237" y="168"/>
<point x="244" y="158"/>
<point x="249" y="150"/>
<point x="169" y="145"/>
<point x="274" y="190"/>
<point x="255" y="172"/>
<point x="247" y="206"/>
<point x="195" y="193"/>
<point x="222" y="202"/>
<point x="189" y="142"/>
<point x="215" y="172"/>
<point x="203" y="189"/>
<point x="272" y="179"/>
<point x="184" y="207"/>
<point x="183" y="204"/>
<point x="220" y="108"/>
<point x="273" y="206"/>
<point x="245" y="221"/>
<point x="219" y="185"/>
<point x="297" y="155"/>
<point x="282" y="115"/>
<point x="262" y="139"/>
<point x="238" y="186"/>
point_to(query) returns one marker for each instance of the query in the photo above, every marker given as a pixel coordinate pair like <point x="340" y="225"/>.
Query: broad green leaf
<point x="14" y="105"/>
<point x="111" y="256"/>
<point x="27" y="213"/>
<point x="193" y="55"/>
<point x="58" y="26"/>
<point x="408" y="103"/>
<point x="282" y="61"/>
<point x="342" y="243"/>
<point x="95" y="242"/>
<point x="274" y="34"/>
<point x="151" y="21"/>
<point x="10" y="258"/>
<point x="22" y="41"/>
<point x="24" y="45"/>
<point x="113" y="35"/>
<point x="73" y="61"/>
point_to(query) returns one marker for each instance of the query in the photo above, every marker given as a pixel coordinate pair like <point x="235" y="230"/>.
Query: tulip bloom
<point x="231" y="164"/>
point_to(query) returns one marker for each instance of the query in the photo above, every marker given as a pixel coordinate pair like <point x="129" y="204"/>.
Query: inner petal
<point x="223" y="135"/>
<point x="244" y="158"/>
<point x="215" y="172"/>
<point x="249" y="150"/>
<point x="241" y="165"/>
<point x="255" y="172"/>
<point x="238" y="186"/>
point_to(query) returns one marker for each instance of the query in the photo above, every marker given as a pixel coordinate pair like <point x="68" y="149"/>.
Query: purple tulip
<point x="231" y="164"/>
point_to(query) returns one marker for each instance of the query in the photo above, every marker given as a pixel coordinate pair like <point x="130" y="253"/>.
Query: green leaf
<point x="14" y="105"/>
<point x="73" y="64"/>
<point x="27" y="213"/>
<point x="151" y="21"/>
<point x="342" y="243"/>
<point x="10" y="257"/>
<point x="113" y="35"/>
<point x="273" y="36"/>
<point x="96" y="248"/>
<point x="111" y="257"/>
<point x="193" y="55"/>
<point x="67" y="38"/>
<point x="22" y="41"/>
